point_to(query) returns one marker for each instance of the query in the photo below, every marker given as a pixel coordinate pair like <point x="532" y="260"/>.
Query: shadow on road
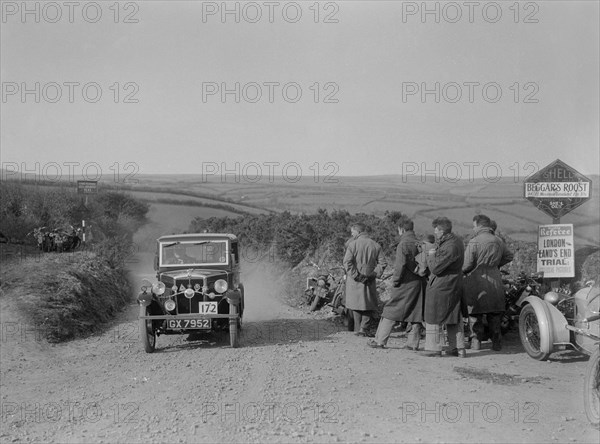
<point x="259" y="334"/>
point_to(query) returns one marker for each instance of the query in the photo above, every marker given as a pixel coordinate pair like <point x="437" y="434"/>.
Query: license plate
<point x="189" y="323"/>
<point x="207" y="308"/>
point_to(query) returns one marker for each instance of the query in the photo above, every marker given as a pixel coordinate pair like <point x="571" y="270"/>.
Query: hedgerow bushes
<point x="292" y="242"/>
<point x="25" y="207"/>
<point x="295" y="237"/>
<point x="68" y="294"/>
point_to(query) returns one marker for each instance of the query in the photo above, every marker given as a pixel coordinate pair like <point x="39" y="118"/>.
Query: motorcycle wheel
<point x="529" y="331"/>
<point x="314" y="305"/>
<point x="591" y="390"/>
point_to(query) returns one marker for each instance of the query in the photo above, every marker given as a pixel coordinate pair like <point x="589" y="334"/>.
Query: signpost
<point x="557" y="189"/>
<point x="556" y="252"/>
<point x="87" y="187"/>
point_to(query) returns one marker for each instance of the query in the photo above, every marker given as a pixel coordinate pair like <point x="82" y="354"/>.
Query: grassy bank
<point x="65" y="296"/>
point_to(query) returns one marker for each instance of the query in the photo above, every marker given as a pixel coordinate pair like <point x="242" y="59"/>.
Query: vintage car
<point x="560" y="320"/>
<point x="197" y="288"/>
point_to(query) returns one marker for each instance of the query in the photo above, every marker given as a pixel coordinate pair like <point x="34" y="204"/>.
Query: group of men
<point x="436" y="282"/>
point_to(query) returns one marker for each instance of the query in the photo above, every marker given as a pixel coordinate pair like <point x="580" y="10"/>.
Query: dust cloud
<point x="263" y="286"/>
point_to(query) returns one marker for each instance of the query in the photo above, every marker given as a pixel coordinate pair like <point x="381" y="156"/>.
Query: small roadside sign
<point x="87" y="187"/>
<point x="556" y="251"/>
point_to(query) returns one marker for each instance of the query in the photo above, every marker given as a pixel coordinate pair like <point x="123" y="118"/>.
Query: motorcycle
<point x="322" y="289"/>
<point x="329" y="288"/>
<point x="58" y="239"/>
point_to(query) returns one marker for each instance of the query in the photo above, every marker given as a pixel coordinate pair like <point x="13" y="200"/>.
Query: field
<point x="421" y="199"/>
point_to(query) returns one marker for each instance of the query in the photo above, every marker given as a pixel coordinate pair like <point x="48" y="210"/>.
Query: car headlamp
<point x="221" y="286"/>
<point x="552" y="297"/>
<point x="158" y="288"/>
<point x="169" y="305"/>
<point x="189" y="293"/>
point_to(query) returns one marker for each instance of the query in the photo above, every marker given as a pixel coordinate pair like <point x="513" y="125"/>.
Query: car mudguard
<point x="551" y="322"/>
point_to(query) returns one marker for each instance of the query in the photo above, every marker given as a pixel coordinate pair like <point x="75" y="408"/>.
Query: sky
<point x="351" y="87"/>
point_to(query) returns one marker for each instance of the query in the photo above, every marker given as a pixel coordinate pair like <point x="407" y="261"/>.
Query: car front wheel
<point x="147" y="334"/>
<point x="529" y="331"/>
<point x="234" y="339"/>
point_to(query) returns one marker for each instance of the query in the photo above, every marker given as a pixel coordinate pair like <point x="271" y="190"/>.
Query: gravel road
<point x="298" y="377"/>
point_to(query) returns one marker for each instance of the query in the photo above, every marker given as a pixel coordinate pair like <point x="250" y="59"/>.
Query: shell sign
<point x="557" y="189"/>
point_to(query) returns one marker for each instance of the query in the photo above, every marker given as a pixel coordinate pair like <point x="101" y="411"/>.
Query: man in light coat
<point x="364" y="261"/>
<point x="406" y="296"/>
<point x="483" y="289"/>
<point x="443" y="294"/>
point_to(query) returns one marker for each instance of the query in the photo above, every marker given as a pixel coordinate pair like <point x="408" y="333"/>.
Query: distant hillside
<point x="422" y="198"/>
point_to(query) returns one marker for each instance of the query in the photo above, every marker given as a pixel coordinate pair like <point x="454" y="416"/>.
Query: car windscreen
<point x="193" y="253"/>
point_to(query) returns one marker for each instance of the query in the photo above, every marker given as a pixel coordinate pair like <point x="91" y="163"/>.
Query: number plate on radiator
<point x="203" y="324"/>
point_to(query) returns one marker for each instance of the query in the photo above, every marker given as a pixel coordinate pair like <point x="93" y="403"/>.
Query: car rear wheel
<point x="147" y="334"/>
<point x="234" y="339"/>
<point x="591" y="390"/>
<point x="529" y="331"/>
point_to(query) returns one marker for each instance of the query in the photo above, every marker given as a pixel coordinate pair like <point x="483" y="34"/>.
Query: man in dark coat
<point x="406" y="296"/>
<point x="483" y="290"/>
<point x="364" y="261"/>
<point x="443" y="294"/>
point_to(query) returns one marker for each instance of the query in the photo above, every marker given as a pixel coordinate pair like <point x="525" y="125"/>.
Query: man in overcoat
<point x="443" y="294"/>
<point x="406" y="296"/>
<point x="364" y="261"/>
<point x="483" y="289"/>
